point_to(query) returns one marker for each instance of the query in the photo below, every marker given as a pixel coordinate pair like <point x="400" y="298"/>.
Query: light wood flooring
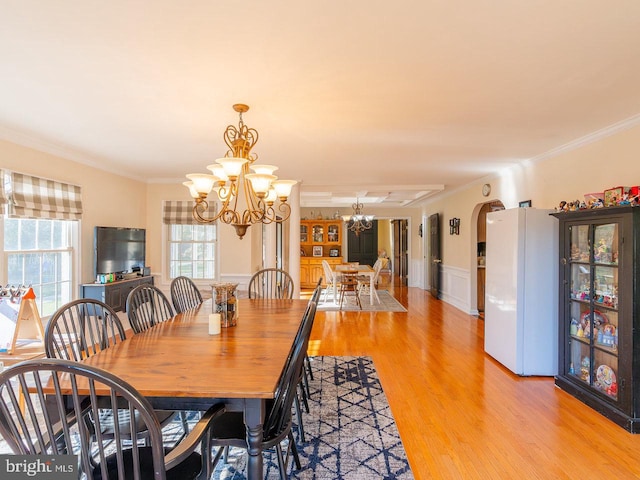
<point x="461" y="414"/>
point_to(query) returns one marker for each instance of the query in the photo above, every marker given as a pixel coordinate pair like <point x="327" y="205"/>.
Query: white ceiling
<point x="378" y="99"/>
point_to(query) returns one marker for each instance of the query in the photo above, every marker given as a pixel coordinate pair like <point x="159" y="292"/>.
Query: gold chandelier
<point x="247" y="198"/>
<point x="357" y="222"/>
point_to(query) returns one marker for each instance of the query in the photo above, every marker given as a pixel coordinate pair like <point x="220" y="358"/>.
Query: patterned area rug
<point x="350" y="431"/>
<point x="387" y="304"/>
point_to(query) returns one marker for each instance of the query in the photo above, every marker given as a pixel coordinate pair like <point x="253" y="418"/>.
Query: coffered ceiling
<point x="389" y="101"/>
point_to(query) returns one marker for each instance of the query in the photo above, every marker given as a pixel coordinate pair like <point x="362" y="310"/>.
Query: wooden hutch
<point x="319" y="240"/>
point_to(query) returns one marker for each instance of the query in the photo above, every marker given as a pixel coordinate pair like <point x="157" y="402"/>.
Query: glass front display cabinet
<point x="304" y="233"/>
<point x="597" y="317"/>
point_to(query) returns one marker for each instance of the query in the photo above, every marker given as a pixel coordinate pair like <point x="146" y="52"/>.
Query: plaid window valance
<point x="34" y="197"/>
<point x="178" y="212"/>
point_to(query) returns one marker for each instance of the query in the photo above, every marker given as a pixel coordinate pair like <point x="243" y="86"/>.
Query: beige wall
<point x="112" y="200"/>
<point x="384" y="236"/>
<point x="594" y="167"/>
<point x="237" y="257"/>
<point x="107" y="199"/>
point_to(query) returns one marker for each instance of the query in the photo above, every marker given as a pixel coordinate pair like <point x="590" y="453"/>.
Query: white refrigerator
<point x="521" y="290"/>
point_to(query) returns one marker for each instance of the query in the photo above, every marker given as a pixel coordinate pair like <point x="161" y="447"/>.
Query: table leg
<point x="253" y="418"/>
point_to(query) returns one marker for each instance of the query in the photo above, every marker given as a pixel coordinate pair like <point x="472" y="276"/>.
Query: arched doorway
<point x="480" y="249"/>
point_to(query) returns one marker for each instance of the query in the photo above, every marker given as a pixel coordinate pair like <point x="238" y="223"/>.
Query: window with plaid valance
<point x="178" y="212"/>
<point x="34" y="197"/>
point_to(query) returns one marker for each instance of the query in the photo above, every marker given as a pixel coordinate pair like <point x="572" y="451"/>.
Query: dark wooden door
<point x="434" y="255"/>
<point x="400" y="250"/>
<point x="363" y="248"/>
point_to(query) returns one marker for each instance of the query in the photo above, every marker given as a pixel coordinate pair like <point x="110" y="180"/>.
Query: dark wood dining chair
<point x="185" y="295"/>
<point x="271" y="283"/>
<point x="147" y="306"/>
<point x="57" y="393"/>
<point x="82" y="328"/>
<point x="349" y="285"/>
<point x="229" y="429"/>
<point x="306" y="372"/>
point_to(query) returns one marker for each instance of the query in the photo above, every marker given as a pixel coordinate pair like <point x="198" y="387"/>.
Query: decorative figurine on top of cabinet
<point x="562" y="207"/>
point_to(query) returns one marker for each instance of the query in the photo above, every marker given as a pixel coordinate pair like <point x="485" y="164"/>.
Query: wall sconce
<point x="454" y="226"/>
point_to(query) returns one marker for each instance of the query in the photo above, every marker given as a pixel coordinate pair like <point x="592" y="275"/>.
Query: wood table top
<point x="343" y="268"/>
<point x="178" y="358"/>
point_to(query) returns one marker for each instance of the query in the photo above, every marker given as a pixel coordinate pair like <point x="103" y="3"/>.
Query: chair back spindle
<point x="184" y="294"/>
<point x="146" y="307"/>
<point x="271" y="283"/>
<point x="82" y="328"/>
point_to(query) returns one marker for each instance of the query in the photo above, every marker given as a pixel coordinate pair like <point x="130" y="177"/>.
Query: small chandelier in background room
<point x="247" y="198"/>
<point x="357" y="222"/>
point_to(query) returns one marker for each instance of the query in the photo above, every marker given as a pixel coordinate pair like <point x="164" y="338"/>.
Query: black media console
<point x="113" y="294"/>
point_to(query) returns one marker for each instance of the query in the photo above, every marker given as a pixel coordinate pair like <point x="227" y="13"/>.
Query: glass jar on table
<point x="225" y="302"/>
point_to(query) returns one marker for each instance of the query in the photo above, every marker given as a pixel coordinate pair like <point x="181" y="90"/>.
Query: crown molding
<point x="29" y="141"/>
<point x="605" y="132"/>
<point x="589" y="138"/>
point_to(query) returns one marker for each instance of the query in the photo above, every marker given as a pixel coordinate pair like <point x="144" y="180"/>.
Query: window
<point x="192" y="251"/>
<point x="40" y="253"/>
<point x="40" y="236"/>
<point x="191" y="246"/>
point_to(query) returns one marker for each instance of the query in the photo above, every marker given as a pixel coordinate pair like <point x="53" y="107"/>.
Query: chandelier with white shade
<point x="249" y="193"/>
<point x="357" y="222"/>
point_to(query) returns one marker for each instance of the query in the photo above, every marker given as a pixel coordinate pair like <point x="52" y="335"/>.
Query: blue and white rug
<point x="350" y="431"/>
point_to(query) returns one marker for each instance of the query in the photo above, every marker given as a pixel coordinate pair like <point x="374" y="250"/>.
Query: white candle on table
<point x="214" y="324"/>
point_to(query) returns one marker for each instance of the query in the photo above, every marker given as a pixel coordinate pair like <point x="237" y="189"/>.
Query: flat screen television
<point x="118" y="250"/>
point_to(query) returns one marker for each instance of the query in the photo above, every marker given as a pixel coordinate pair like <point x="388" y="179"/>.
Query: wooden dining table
<point x="177" y="365"/>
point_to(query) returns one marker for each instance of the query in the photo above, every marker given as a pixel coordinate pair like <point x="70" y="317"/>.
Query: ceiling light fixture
<point x="358" y="222"/>
<point x="247" y="198"/>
